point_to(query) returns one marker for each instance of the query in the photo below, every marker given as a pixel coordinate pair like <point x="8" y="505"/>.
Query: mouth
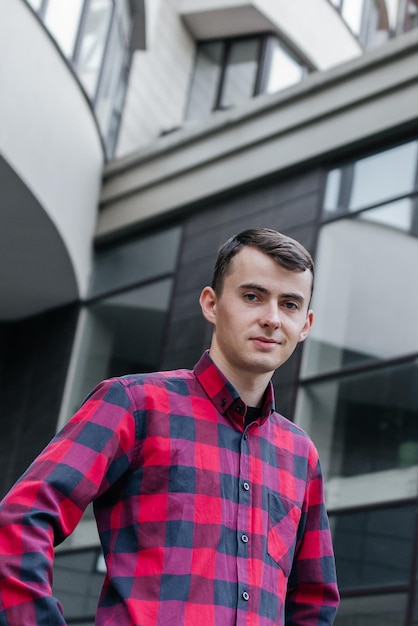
<point x="265" y="341"/>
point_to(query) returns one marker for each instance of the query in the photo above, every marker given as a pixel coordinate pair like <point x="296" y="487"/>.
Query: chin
<point x="264" y="366"/>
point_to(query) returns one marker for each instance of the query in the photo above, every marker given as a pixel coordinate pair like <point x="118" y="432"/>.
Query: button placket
<point x="244" y="501"/>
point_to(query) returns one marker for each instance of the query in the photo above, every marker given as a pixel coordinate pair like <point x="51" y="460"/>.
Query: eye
<point x="251" y="297"/>
<point x="291" y="306"/>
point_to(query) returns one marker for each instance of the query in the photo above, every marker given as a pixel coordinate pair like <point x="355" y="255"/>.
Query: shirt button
<point x="245" y="596"/>
<point x="246" y="486"/>
<point x="239" y="409"/>
<point x="244" y="538"/>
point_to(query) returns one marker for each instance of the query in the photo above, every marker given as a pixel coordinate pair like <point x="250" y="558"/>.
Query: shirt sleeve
<point x="82" y="461"/>
<point x="312" y="595"/>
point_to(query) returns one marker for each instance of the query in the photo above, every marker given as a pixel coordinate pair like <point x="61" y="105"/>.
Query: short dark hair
<point x="286" y="251"/>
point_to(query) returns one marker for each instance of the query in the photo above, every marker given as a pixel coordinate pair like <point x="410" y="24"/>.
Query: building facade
<point x="134" y="139"/>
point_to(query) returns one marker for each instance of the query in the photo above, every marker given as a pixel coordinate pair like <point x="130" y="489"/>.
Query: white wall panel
<point x="159" y="79"/>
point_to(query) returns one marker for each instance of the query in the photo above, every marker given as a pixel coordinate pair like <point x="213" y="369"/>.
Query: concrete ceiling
<point x="36" y="273"/>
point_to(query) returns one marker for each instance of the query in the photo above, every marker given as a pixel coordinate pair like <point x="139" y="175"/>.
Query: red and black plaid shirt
<point x="203" y="522"/>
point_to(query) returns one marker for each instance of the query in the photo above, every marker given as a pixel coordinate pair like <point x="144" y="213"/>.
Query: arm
<point x="47" y="502"/>
<point x="312" y="595"/>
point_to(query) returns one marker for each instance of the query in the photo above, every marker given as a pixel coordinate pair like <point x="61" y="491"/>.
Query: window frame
<point x="265" y="41"/>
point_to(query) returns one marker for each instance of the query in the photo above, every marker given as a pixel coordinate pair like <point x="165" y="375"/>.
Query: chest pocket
<point x="284" y="516"/>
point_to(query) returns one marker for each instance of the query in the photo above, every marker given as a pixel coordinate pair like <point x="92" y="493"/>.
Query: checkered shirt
<point x="203" y="521"/>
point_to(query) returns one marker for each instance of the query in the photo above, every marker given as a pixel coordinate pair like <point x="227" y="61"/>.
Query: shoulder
<point x="295" y="438"/>
<point x="137" y="387"/>
<point x="166" y="379"/>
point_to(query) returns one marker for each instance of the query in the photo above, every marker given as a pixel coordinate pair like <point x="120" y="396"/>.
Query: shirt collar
<point x="224" y="395"/>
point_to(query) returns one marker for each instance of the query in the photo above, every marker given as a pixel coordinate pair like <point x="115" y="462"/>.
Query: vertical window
<point x="95" y="37"/>
<point x="240" y="72"/>
<point x="230" y="71"/>
<point x="62" y="19"/>
<point x="411" y="15"/>
<point x="36" y="4"/>
<point x="112" y="88"/>
<point x="352" y="12"/>
<point x="206" y="79"/>
<point x="93" y="40"/>
<point x="283" y="70"/>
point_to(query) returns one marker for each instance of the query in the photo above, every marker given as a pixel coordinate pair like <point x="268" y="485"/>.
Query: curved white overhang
<point x="313" y="27"/>
<point x="50" y="170"/>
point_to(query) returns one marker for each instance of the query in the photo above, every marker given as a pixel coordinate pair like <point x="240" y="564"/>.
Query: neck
<point x="250" y="386"/>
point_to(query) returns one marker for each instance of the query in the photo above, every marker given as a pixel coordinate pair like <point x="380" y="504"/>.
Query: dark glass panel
<point x="77" y="583"/>
<point x="388" y="609"/>
<point x="135" y="261"/>
<point x="366" y="426"/>
<point x="374" y="548"/>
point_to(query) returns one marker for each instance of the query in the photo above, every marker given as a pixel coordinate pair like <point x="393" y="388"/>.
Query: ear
<point x="307" y="326"/>
<point x="207" y="303"/>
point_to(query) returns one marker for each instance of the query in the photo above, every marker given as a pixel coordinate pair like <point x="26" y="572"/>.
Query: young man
<point x="209" y="504"/>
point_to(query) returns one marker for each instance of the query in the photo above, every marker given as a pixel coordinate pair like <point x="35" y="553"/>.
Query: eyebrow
<point x="286" y="296"/>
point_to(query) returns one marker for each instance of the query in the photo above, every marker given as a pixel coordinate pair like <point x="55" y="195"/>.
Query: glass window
<point x="398" y="215"/>
<point x="135" y="261"/>
<point x="411" y="15"/>
<point x="379" y="22"/>
<point x="365" y="427"/>
<point x="283" y="70"/>
<point x="205" y="81"/>
<point x="122" y="334"/>
<point x="77" y="583"/>
<point x="352" y="12"/>
<point x="113" y="81"/>
<point x="387" y="609"/>
<point x="62" y="20"/>
<point x="374" y="548"/>
<point x="365" y="297"/>
<point x="373" y="179"/>
<point x="240" y="72"/>
<point x="92" y="45"/>
<point x="230" y="71"/>
<point x="94" y="36"/>
<point x="36" y="4"/>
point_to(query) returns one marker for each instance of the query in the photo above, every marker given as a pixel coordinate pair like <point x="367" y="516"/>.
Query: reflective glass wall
<point x="358" y="395"/>
<point x="94" y="37"/>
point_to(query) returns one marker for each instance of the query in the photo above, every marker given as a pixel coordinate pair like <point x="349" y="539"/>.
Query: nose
<point x="271" y="317"/>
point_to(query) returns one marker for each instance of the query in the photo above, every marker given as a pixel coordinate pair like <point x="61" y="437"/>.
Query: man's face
<point x="260" y="316"/>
